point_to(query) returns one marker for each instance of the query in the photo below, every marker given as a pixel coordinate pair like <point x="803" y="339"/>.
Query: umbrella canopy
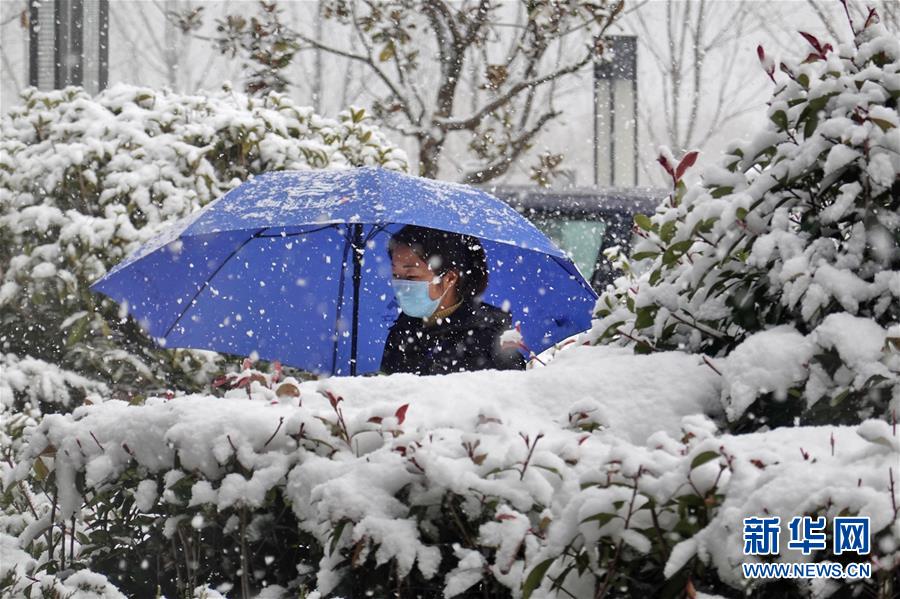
<point x="293" y="265"/>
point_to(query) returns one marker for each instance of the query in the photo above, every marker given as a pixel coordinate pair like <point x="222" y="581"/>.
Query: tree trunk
<point x="429" y="156"/>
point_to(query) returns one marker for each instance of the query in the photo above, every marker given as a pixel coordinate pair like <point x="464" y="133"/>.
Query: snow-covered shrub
<point x="785" y="261"/>
<point x="84" y="180"/>
<point x="473" y="485"/>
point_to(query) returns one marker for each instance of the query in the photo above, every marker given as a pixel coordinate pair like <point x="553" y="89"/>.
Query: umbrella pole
<point x="357" y="250"/>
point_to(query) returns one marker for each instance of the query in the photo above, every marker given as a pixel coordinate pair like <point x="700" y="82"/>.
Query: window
<point x="579" y="238"/>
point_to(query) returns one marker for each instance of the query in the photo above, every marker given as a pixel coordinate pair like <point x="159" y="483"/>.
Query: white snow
<point x="544" y="443"/>
<point x="769" y="361"/>
<point x="857" y="340"/>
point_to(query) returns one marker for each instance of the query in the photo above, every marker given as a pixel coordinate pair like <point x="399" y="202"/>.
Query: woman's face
<point x="410" y="267"/>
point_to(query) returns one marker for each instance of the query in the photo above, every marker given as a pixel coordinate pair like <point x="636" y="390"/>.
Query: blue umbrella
<point x="293" y="265"/>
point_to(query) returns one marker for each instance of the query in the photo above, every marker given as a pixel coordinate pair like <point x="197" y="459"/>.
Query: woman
<point x="438" y="279"/>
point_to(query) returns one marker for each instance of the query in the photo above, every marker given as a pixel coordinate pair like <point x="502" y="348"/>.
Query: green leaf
<point x="535" y="577"/>
<point x="884" y="124"/>
<point x="336" y="535"/>
<point x="703" y="458"/>
<point x="741" y="213"/>
<point x="645" y="317"/>
<point x="40" y="470"/>
<point x="601" y="518"/>
<point x="680" y="190"/>
<point x="76" y="333"/>
<point x="140" y="98"/>
<point x="809" y="128"/>
<point x="779" y="117"/>
<point x="839" y="398"/>
<point x="667" y="231"/>
<point x="809" y="117"/>
<point x="643" y="221"/>
<point x="644" y="255"/>
<point x="719" y="192"/>
<point x="642" y="347"/>
<point x="705" y="225"/>
<point x="676" y="251"/>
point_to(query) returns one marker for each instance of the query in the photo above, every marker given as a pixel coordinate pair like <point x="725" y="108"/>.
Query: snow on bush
<point x="785" y="261"/>
<point x="28" y="381"/>
<point x="487" y="483"/>
<point x="29" y="388"/>
<point x="85" y="180"/>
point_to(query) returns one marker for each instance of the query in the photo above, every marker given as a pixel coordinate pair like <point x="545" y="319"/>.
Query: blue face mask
<point x="414" y="299"/>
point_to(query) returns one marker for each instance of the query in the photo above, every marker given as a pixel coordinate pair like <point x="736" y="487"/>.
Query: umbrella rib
<point x="299" y="233"/>
<point x="375" y="231"/>
<point x="211" y="277"/>
<point x="340" y="300"/>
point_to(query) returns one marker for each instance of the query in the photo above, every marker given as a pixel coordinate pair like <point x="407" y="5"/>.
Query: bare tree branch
<point x="817" y="8"/>
<point x="392" y="40"/>
<point x="369" y="62"/>
<point x="518" y="146"/>
<point x="490" y="107"/>
<point x="7" y="66"/>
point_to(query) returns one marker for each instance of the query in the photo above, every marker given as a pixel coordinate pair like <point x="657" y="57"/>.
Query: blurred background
<point x="684" y="75"/>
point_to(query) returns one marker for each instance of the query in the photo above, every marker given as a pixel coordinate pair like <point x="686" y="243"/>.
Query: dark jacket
<point x="468" y="339"/>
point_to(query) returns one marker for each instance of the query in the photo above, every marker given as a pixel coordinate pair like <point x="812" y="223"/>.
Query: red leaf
<point x="278" y="370"/>
<point x="243" y="382"/>
<point x="246" y="364"/>
<point x="506" y="517"/>
<point x="401" y="413"/>
<point x="758" y="463"/>
<point x="689" y="590"/>
<point x="665" y="164"/>
<point x="873" y="14"/>
<point x="813" y="57"/>
<point x="767" y="64"/>
<point x="813" y="41"/>
<point x="333" y="399"/>
<point x="687" y="162"/>
<point x="375" y="419"/>
<point x="220" y="381"/>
